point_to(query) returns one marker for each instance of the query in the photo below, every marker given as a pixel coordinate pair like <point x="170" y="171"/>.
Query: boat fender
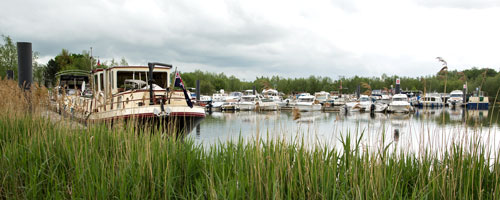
<point x="372" y="108"/>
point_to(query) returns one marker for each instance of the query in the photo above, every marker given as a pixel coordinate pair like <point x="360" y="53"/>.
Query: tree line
<point x="486" y="79"/>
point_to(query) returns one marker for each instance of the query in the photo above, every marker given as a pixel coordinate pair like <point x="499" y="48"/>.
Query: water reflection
<point x="435" y="128"/>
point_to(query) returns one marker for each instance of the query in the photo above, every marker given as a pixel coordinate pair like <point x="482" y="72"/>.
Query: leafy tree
<point x="8" y="56"/>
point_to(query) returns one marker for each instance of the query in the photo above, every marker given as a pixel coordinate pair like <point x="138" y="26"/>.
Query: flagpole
<point x="172" y="86"/>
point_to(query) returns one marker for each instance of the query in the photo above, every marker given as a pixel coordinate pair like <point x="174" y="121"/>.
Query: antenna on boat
<point x="151" y="67"/>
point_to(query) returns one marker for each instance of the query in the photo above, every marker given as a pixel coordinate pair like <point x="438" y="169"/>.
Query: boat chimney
<point x="197" y="90"/>
<point x="24" y="65"/>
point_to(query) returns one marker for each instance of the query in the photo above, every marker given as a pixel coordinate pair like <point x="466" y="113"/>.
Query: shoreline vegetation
<point x="43" y="158"/>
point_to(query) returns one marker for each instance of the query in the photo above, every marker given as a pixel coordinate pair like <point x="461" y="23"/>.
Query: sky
<point x="250" y="38"/>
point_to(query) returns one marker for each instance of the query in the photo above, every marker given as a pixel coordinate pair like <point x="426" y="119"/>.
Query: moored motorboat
<point x="306" y="103"/>
<point x="247" y="101"/>
<point x="135" y="92"/>
<point x="456" y="98"/>
<point x="478" y="101"/>
<point x="400" y="104"/>
<point x="431" y="100"/>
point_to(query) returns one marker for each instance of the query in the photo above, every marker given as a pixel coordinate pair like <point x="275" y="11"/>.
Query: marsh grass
<point x="43" y="159"/>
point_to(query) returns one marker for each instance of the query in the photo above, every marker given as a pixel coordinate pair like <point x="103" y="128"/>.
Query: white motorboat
<point x="431" y="100"/>
<point x="456" y="98"/>
<point x="247" y="101"/>
<point x="272" y="94"/>
<point x="400" y="104"/>
<point x="339" y="101"/>
<point x="382" y="103"/>
<point x="270" y="100"/>
<point x="219" y="96"/>
<point x="307" y="102"/>
<point x="234" y="97"/>
<point x="322" y="97"/>
<point x="265" y="104"/>
<point x="363" y="104"/>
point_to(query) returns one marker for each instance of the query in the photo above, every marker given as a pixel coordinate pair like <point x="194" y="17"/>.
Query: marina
<point x="249" y="99"/>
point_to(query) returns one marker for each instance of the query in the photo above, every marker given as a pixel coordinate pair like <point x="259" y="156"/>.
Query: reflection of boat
<point x="136" y="92"/>
<point x="456" y="98"/>
<point x="455" y="114"/>
<point x="308" y="118"/>
<point x="306" y="102"/>
<point x="400" y="104"/>
<point x="477" y="114"/>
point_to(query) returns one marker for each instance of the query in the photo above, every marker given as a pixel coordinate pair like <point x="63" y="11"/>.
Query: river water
<point x="426" y="129"/>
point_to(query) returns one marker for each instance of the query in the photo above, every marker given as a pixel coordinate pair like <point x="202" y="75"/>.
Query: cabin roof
<point x="130" y="66"/>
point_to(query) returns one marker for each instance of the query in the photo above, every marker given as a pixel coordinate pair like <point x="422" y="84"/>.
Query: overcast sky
<point x="263" y="37"/>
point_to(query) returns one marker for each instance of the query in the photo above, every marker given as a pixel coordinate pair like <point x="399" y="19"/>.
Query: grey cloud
<point x="463" y="4"/>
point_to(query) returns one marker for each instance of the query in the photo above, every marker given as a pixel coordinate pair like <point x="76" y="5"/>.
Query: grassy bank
<point x="41" y="158"/>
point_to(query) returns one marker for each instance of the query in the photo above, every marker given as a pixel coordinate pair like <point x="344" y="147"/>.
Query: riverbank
<point x="44" y="159"/>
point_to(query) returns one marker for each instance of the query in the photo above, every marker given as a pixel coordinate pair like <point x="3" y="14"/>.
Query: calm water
<point x="432" y="129"/>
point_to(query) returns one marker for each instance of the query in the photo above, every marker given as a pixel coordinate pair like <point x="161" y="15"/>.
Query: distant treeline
<point x="486" y="79"/>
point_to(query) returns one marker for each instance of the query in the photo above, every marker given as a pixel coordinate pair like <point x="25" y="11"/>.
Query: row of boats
<point x="271" y="100"/>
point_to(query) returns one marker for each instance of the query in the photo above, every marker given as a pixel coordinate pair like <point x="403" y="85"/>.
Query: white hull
<point x="246" y="106"/>
<point x="432" y="104"/>
<point x="267" y="106"/>
<point x="380" y="107"/>
<point x="148" y="111"/>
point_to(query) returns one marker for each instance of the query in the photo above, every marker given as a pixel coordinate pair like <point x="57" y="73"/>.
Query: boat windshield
<point x="235" y="94"/>
<point x="161" y="78"/>
<point x="399" y="99"/>
<point x="321" y="97"/>
<point x="364" y="99"/>
<point x="305" y="99"/>
<point x="456" y="95"/>
<point x="247" y="99"/>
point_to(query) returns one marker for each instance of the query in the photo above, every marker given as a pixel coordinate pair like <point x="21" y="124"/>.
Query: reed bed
<point x="41" y="158"/>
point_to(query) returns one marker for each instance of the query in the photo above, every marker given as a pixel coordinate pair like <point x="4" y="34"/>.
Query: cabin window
<point x="101" y="81"/>
<point x="121" y="76"/>
<point x="95" y="82"/>
<point x="161" y="79"/>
